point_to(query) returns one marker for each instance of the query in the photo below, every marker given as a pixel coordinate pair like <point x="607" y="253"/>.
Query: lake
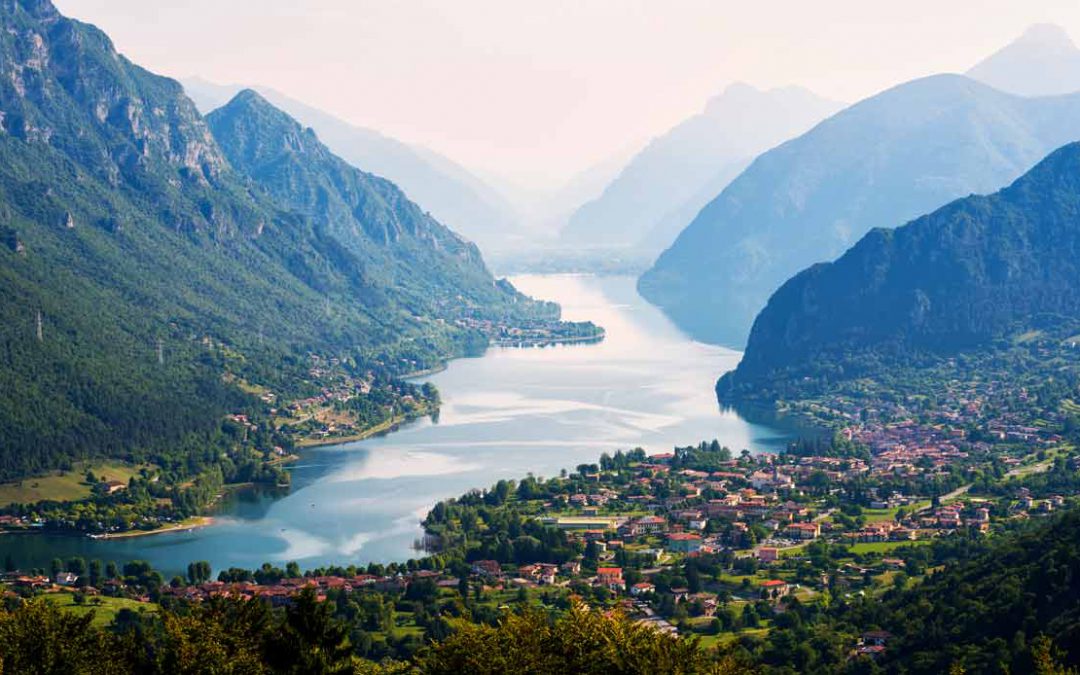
<point x="505" y="414"/>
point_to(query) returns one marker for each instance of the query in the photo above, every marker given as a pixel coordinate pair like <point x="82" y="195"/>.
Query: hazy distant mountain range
<point x="450" y="192"/>
<point x="668" y="181"/>
<point x="1042" y="62"/>
<point x="976" y="270"/>
<point x="885" y="159"/>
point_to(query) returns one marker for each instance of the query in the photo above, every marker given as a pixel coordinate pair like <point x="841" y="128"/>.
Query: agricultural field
<point x="64" y="485"/>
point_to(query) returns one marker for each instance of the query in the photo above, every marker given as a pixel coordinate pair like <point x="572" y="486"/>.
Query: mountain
<point x="1041" y="62"/>
<point x="143" y="271"/>
<point x="452" y="194"/>
<point x="884" y="160"/>
<point x="977" y="270"/>
<point x="668" y="181"/>
<point x="391" y="239"/>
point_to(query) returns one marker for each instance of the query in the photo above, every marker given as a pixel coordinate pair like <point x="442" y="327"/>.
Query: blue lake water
<point x="505" y="414"/>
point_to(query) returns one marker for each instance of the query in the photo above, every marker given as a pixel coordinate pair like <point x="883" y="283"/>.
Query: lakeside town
<point x="697" y="541"/>
<point x="700" y="541"/>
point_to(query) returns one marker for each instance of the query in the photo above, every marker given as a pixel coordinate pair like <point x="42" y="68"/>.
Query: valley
<point x="772" y="385"/>
<point x="510" y="411"/>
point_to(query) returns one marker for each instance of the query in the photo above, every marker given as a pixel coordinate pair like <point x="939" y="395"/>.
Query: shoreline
<point x="389" y="426"/>
<point x="429" y="371"/>
<point x="550" y="342"/>
<point x="197" y="522"/>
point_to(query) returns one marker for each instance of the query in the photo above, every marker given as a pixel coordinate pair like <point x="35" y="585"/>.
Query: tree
<point x="582" y="641"/>
<point x="693" y="578"/>
<point x="38" y="637"/>
<point x="76" y="566"/>
<point x="750" y="616"/>
<point x="312" y="640"/>
<point x="1047" y="658"/>
<point x="225" y="636"/>
<point x="95" y="572"/>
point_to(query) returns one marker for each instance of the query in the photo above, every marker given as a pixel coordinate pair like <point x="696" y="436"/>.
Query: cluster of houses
<point x="330" y="395"/>
<point x="708" y="512"/>
<point x="907" y="442"/>
<point x="530" y="333"/>
<point x="281" y="592"/>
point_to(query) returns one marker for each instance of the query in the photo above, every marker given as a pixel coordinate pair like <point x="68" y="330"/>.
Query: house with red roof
<point x="610" y="577"/>
<point x="684" y="542"/>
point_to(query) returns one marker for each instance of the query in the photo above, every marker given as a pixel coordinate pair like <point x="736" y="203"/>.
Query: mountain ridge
<point x="1043" y="61"/>
<point x="451" y="192"/>
<point x="885" y="159"/>
<point x="699" y="155"/>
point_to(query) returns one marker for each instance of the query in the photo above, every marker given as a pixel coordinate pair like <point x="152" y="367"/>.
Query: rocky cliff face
<point x="64" y="86"/>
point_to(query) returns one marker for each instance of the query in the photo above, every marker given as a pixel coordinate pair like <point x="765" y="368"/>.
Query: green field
<point x="1070" y="407"/>
<point x="724" y="639"/>
<point x="63" y="485"/>
<point x="793" y="550"/>
<point x="884" y="546"/>
<point x="103" y="612"/>
<point x="882" y="515"/>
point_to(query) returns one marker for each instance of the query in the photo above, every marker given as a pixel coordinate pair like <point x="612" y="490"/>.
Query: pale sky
<point x="536" y="91"/>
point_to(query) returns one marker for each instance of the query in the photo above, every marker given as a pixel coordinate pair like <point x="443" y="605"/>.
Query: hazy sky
<point x="536" y="91"/>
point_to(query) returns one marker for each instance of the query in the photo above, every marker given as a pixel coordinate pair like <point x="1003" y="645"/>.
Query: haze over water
<point x="508" y="413"/>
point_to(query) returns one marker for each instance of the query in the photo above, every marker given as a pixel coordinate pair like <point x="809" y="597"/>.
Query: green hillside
<point x="966" y="277"/>
<point x="138" y="267"/>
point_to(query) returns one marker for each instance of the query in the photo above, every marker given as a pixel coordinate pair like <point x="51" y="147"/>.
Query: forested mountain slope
<point x="391" y="239"/>
<point x="978" y="270"/>
<point x="454" y="195"/>
<point x="138" y="266"/>
<point x="1011" y="605"/>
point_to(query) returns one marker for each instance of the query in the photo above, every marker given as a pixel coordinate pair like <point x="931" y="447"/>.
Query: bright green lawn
<point x="103" y="612"/>
<point x="63" y="486"/>
<point x="724" y="639"/>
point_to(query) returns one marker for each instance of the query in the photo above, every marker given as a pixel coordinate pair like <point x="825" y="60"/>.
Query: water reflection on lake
<point x="505" y="414"/>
